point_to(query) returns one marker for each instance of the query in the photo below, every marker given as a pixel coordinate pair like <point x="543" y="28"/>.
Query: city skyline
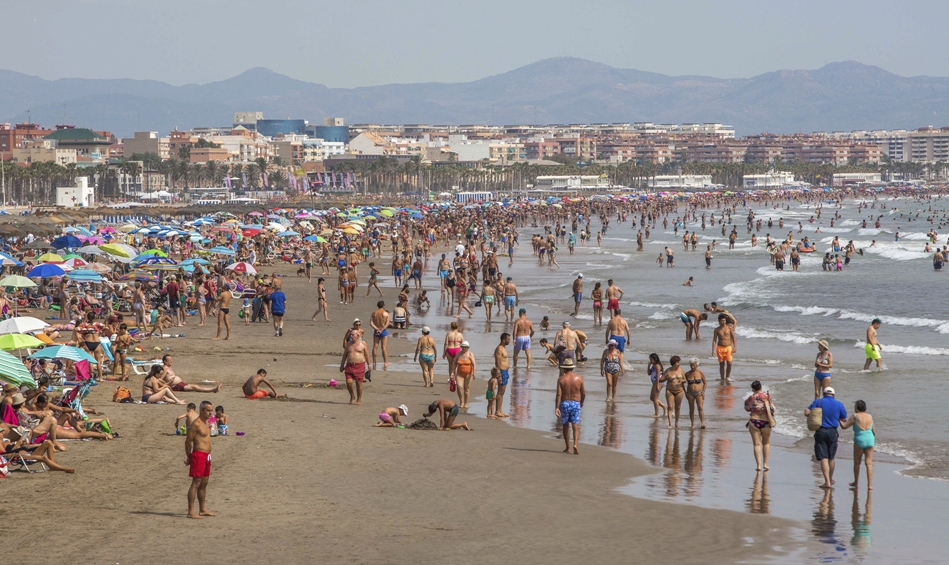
<point x="371" y="43"/>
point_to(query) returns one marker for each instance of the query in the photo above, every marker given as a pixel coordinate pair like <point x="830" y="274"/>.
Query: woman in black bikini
<point x="759" y="424"/>
<point x="89" y="332"/>
<point x="654" y="370"/>
<point x="611" y="368"/>
<point x="674" y="379"/>
<point x="695" y="391"/>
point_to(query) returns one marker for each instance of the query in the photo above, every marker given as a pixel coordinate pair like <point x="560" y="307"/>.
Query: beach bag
<point x="451" y="385"/>
<point x="121" y="394"/>
<point x="4" y="468"/>
<point x="816" y="417"/>
<point x="769" y="409"/>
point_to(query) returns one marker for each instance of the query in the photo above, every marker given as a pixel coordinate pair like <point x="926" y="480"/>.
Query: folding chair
<point x="142" y="367"/>
<point x="16" y="458"/>
<point x="107" y="349"/>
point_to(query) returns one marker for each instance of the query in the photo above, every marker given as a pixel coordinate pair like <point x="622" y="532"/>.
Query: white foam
<point x="849" y="223"/>
<point x="907" y="350"/>
<point x="781" y="335"/>
<point x="662" y="316"/>
<point x="896" y="320"/>
<point x="651" y="305"/>
<point x="896" y="253"/>
<point x="806" y="310"/>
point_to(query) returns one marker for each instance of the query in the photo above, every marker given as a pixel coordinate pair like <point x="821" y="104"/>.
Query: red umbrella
<point x="242" y="267"/>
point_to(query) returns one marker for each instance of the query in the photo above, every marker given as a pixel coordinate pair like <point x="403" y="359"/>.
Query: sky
<point x="348" y="43"/>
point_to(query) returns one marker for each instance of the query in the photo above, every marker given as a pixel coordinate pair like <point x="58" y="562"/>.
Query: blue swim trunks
<point x="383" y="333"/>
<point x="443" y="274"/>
<point x="578" y="297"/>
<point x="821" y="376"/>
<point x="510" y="301"/>
<point x="685" y="318"/>
<point x="620" y="342"/>
<point x="397" y="272"/>
<point x="505" y="377"/>
<point x="569" y="412"/>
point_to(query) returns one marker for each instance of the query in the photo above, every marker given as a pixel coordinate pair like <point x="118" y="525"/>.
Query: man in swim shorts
<point x="523" y="332"/>
<point x="379" y="320"/>
<point x="353" y="365"/>
<point x="618" y="328"/>
<point x="569" y="401"/>
<point x="177" y="384"/>
<point x="252" y="387"/>
<point x="692" y="318"/>
<point x="511" y="299"/>
<point x="873" y="348"/>
<point x="198" y="458"/>
<point x="724" y="346"/>
<point x="613" y="295"/>
<point x="503" y="365"/>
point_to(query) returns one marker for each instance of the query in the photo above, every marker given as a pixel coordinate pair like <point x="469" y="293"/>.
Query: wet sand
<point x="312" y="480"/>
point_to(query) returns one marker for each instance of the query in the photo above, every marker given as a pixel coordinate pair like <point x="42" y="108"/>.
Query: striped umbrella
<point x="14" y="372"/>
<point x="85" y="275"/>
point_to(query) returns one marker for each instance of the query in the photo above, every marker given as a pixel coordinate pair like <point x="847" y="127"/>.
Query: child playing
<point x="189" y="416"/>
<point x="248" y="311"/>
<point x="119" y="348"/>
<point x="389" y="418"/>
<point x="160" y="321"/>
<point x="491" y="394"/>
<point x="221" y="418"/>
<point x="545" y="323"/>
<point x="660" y="260"/>
<point x="551" y="356"/>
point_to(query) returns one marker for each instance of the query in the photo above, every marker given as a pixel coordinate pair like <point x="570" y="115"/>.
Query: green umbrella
<point x="14" y="372"/>
<point x="10" y="342"/>
<point x="16" y="281"/>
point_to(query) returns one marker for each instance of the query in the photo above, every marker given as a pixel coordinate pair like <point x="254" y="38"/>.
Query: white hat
<point x="566" y="324"/>
<point x="580" y="276"/>
<point x="426" y="330"/>
<point x="829" y="390"/>
<point x="612" y="342"/>
<point x="356" y="321"/>
<point x="404" y="409"/>
<point x="465" y="344"/>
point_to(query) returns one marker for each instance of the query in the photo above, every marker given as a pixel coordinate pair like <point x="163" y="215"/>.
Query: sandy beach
<point x="312" y="480"/>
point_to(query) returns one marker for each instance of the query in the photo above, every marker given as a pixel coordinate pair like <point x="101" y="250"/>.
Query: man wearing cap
<point x="503" y="364"/>
<point x="618" y="329"/>
<point x="577" y="294"/>
<point x="825" y="438"/>
<point x="523" y="332"/>
<point x="511" y="299"/>
<point x="565" y="343"/>
<point x="822" y="366"/>
<point x="570" y="397"/>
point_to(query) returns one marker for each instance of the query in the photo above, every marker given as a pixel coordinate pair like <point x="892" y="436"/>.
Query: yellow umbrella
<point x="10" y="342"/>
<point x="352" y="226"/>
<point x="386" y="212"/>
<point x="50" y="258"/>
<point x="117" y="250"/>
<point x="128" y="227"/>
<point x="350" y="231"/>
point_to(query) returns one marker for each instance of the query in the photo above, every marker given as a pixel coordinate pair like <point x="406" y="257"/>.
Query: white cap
<point x="426" y="330"/>
<point x="465" y="344"/>
<point x="404" y="409"/>
<point x="829" y="390"/>
<point x="580" y="276"/>
<point x="613" y="342"/>
<point x="356" y="320"/>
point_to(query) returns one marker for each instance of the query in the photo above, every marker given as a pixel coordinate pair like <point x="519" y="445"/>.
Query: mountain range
<point x="839" y="96"/>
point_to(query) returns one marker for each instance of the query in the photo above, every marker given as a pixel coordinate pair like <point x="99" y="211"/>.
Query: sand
<point x="313" y="481"/>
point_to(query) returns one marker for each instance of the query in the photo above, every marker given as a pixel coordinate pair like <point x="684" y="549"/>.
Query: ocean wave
<point x="907" y="350"/>
<point x="835" y="230"/>
<point x="781" y="335"/>
<point x="806" y="310"/>
<point x="651" y="305"/>
<point x="871" y="231"/>
<point x="897" y="320"/>
<point x="897" y="253"/>
<point x="661" y="316"/>
<point x="914" y="236"/>
<point x="849" y="223"/>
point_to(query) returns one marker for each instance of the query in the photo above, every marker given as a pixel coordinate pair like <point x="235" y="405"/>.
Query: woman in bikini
<point x="695" y="391"/>
<point x="154" y="390"/>
<point x="452" y="348"/>
<point x="120" y="348"/>
<point x="202" y="294"/>
<point x="462" y="291"/>
<point x="426" y="356"/>
<point x="759" y="425"/>
<point x="89" y="340"/>
<point x="655" y="370"/>
<point x="464" y="373"/>
<point x="597" y="296"/>
<point x="674" y="378"/>
<point x="611" y="368"/>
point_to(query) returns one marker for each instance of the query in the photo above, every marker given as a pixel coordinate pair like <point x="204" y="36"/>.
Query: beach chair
<point x="73" y="397"/>
<point x="142" y="367"/>
<point x="107" y="351"/>
<point x="16" y="461"/>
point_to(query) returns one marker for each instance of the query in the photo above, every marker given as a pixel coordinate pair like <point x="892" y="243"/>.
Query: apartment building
<point x="43" y="151"/>
<point x="147" y="142"/>
<point x="16" y="135"/>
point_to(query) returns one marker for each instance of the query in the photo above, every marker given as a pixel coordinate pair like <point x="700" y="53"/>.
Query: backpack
<point x="122" y="394"/>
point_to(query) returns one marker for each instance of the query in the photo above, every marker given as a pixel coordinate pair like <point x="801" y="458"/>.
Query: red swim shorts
<point x="180" y="387"/>
<point x="613" y="304"/>
<point x="355" y="372"/>
<point x="200" y="464"/>
<point x="256" y="395"/>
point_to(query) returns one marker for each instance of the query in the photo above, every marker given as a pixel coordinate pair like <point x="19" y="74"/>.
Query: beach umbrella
<point x="119" y="250"/>
<point x="85" y="275"/>
<point x="70" y="241"/>
<point x="152" y="260"/>
<point x="315" y="238"/>
<point x="46" y="270"/>
<point x="128" y="228"/>
<point x="107" y="229"/>
<point x="90" y="250"/>
<point x="195" y="261"/>
<point x="50" y="258"/>
<point x="100" y="268"/>
<point x="242" y="267"/>
<point x="222" y="250"/>
<point x="17" y="281"/>
<point x="22" y="324"/>
<point x="9" y="342"/>
<point x="158" y="252"/>
<point x="350" y="231"/>
<point x="63" y="352"/>
<point x="288" y="233"/>
<point x="256" y="214"/>
<point x="93" y="240"/>
<point x="8" y="261"/>
<point x="14" y="372"/>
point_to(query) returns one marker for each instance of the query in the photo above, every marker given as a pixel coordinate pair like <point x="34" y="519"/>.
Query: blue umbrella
<point x="63" y="352"/>
<point x="197" y="261"/>
<point x="288" y="233"/>
<point x="222" y="250"/>
<point x="154" y="260"/>
<point x="46" y="270"/>
<point x="70" y="241"/>
<point x="85" y="275"/>
<point x="416" y="216"/>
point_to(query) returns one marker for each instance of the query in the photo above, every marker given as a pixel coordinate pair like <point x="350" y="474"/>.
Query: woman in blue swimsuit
<point x="864" y="438"/>
<point x="822" y="365"/>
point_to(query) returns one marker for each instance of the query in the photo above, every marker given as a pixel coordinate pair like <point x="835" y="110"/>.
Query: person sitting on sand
<point x="177" y="384"/>
<point x="447" y="412"/>
<point x="36" y="453"/>
<point x="155" y="390"/>
<point x="251" y="390"/>
<point x="191" y="413"/>
<point x="390" y="417"/>
<point x="160" y="321"/>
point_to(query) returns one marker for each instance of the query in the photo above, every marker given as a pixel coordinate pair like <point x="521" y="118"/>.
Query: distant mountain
<point x="839" y="96"/>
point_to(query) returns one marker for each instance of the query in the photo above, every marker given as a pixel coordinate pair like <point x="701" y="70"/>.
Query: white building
<point x="315" y="149"/>
<point x="571" y="183"/>
<point x="844" y="179"/>
<point x="776" y="179"/>
<point x="81" y="195"/>
<point x="690" y="182"/>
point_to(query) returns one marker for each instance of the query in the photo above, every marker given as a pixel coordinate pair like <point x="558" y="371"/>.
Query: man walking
<point x="577" y="293"/>
<point x="198" y="457"/>
<point x="825" y="438"/>
<point x="503" y="365"/>
<point x="570" y="397"/>
<point x="523" y="332"/>
<point x="873" y="347"/>
<point x="379" y="320"/>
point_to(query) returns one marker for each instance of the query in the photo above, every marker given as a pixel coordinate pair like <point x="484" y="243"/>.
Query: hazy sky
<point x="358" y="43"/>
